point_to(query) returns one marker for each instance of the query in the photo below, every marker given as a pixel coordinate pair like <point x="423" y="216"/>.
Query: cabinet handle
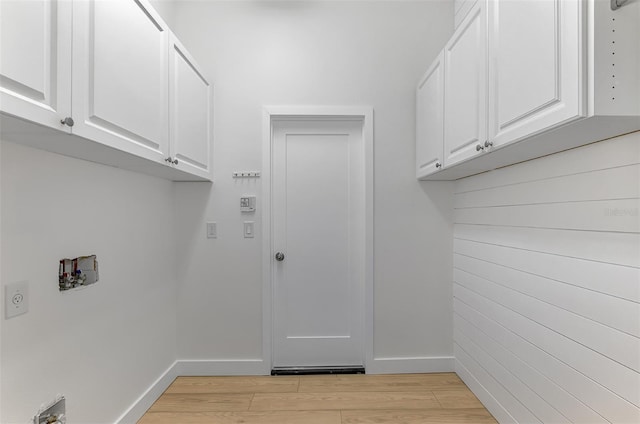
<point x="175" y="161"/>
<point x="479" y="147"/>
<point x="67" y="121"/>
<point x="168" y="159"/>
<point x="488" y="143"/>
<point x="438" y="165"/>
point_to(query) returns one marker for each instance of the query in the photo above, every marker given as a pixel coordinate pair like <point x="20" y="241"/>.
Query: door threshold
<point x="317" y="370"/>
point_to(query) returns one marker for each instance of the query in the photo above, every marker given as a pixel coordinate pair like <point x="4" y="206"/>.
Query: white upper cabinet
<point x="465" y="87"/>
<point x="535" y="66"/>
<point x="430" y="120"/>
<point x="120" y="76"/>
<point x="529" y="78"/>
<point x="35" y="60"/>
<point x="94" y="74"/>
<point x="190" y="115"/>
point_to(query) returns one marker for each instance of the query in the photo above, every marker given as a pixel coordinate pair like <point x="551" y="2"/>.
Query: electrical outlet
<point x="16" y="299"/>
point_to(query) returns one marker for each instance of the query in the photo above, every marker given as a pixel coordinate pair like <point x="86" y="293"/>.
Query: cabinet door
<point x="535" y="68"/>
<point x="35" y="60"/>
<point x="120" y="76"/>
<point x="190" y="100"/>
<point x="465" y="102"/>
<point x="429" y="120"/>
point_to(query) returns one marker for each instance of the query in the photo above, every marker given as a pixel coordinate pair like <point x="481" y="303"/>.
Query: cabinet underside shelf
<point x="16" y="130"/>
<point x="569" y="136"/>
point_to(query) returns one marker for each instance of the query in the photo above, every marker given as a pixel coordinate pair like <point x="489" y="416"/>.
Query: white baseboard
<point x="144" y="402"/>
<point x="410" y="365"/>
<point x="489" y="402"/>
<point x="189" y="368"/>
<point x="197" y="367"/>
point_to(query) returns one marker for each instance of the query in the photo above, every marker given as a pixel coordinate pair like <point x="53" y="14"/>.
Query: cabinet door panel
<point x="121" y="76"/>
<point x="430" y="120"/>
<point x="190" y="114"/>
<point x="35" y="60"/>
<point x="465" y="87"/>
<point x="534" y="71"/>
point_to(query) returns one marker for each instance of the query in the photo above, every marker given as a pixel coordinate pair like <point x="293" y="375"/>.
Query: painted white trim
<point x="144" y="402"/>
<point x="188" y="368"/>
<point x="288" y="112"/>
<point x="411" y="365"/>
<point x="217" y="367"/>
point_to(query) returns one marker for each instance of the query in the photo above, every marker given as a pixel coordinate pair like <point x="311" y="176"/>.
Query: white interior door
<point x="318" y="218"/>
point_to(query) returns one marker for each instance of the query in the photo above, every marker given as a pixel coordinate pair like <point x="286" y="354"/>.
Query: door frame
<point x="320" y="113"/>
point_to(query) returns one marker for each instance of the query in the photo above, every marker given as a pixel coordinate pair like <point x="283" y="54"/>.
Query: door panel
<point x="534" y="71"/>
<point x="35" y="60"/>
<point x="318" y="223"/>
<point x="121" y="76"/>
<point x="430" y="120"/>
<point x="465" y="88"/>
<point x="190" y="113"/>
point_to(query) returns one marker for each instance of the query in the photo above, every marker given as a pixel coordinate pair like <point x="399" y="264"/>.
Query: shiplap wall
<point x="547" y="286"/>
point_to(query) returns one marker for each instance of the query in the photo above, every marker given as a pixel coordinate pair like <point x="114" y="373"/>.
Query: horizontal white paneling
<point x="591" y="399"/>
<point x="484" y="395"/>
<point x="611" y="377"/>
<point x="511" y="404"/>
<point x="538" y="409"/>
<point x="608" y="310"/>
<point x="596" y="276"/>
<point x="621" y="347"/>
<point x="614" y="248"/>
<point x="547" y="285"/>
<point x="598" y="215"/>
<point x="585" y="186"/>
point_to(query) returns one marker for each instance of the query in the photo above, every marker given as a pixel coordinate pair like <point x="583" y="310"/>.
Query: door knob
<point x="279" y="256"/>
<point x="68" y="121"/>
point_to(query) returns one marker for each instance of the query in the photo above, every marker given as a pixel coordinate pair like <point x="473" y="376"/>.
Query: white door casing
<point x="318" y="213"/>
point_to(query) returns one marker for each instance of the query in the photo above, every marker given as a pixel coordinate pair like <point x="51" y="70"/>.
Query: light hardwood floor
<point x="321" y="399"/>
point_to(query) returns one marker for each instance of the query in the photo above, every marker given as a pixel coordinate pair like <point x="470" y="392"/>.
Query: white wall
<point x="102" y="346"/>
<point x="315" y="53"/>
<point x="547" y="286"/>
<point x="166" y="9"/>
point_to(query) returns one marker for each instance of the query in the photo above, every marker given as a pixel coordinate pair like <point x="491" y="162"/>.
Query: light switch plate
<point x="16" y="299"/>
<point x="212" y="230"/>
<point x="248" y="229"/>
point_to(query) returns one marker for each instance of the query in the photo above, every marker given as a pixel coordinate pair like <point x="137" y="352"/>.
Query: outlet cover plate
<point x="16" y="299"/>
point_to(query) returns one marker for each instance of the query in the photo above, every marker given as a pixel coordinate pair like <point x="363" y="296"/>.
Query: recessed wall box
<point x="248" y="204"/>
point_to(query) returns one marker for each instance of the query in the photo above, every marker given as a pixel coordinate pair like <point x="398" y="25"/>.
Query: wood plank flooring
<point x="319" y="399"/>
